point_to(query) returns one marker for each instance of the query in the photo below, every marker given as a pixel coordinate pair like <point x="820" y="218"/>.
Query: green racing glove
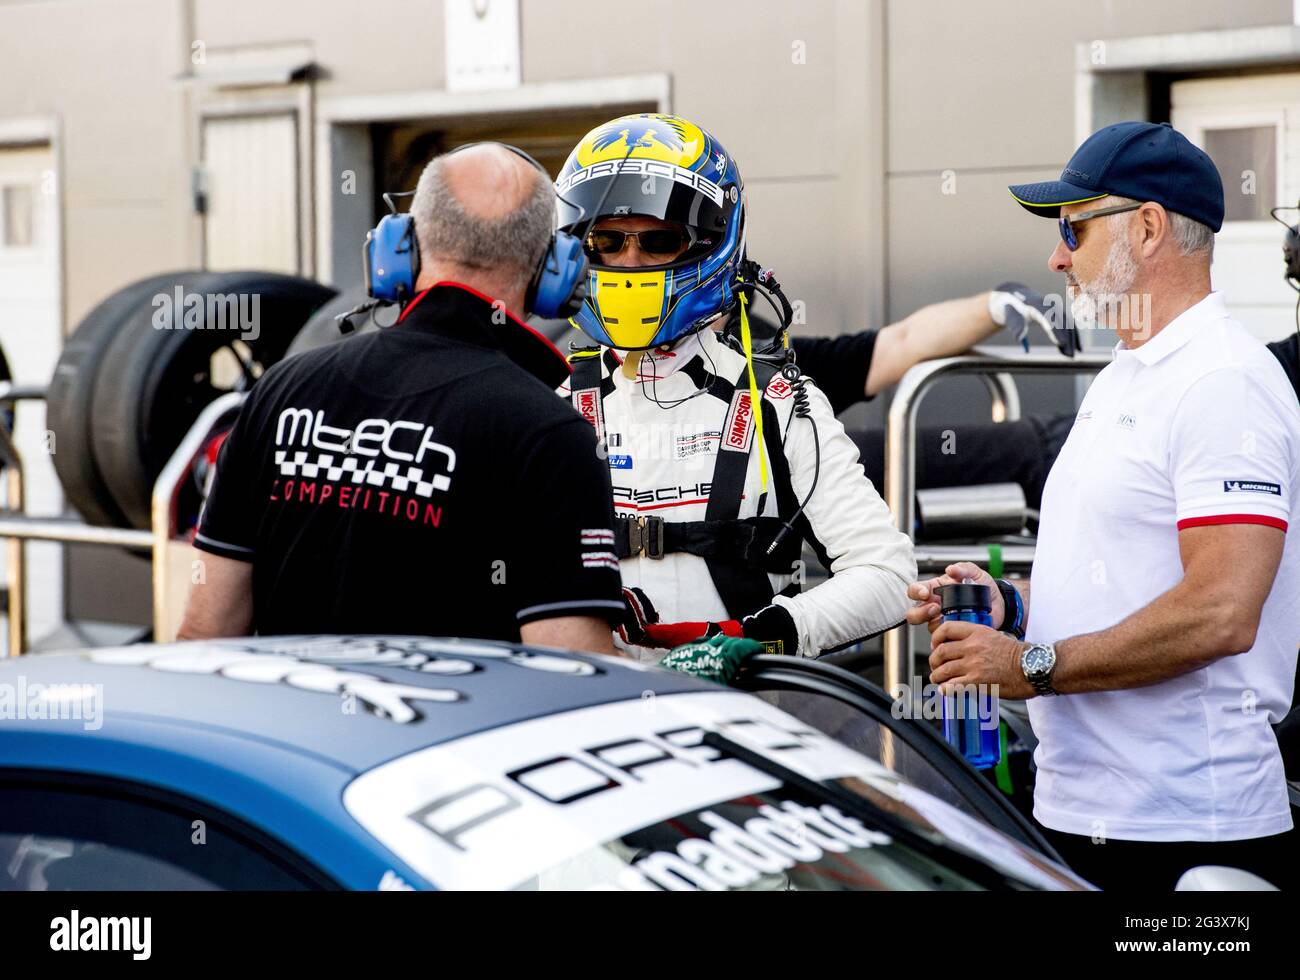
<point x="716" y="659"/>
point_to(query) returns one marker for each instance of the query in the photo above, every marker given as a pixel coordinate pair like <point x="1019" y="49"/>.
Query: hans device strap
<point x="391" y="260"/>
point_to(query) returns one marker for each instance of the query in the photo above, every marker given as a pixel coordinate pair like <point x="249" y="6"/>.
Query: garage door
<point x="250" y="170"/>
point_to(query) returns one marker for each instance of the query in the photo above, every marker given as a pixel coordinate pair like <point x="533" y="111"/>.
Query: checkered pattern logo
<point x="404" y="479"/>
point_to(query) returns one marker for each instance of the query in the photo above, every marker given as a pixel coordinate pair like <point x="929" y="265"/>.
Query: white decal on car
<point x="496" y="809"/>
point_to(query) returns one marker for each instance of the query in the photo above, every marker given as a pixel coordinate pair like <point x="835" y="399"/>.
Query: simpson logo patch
<point x="587" y="402"/>
<point x="738" y="430"/>
<point x="1251" y="486"/>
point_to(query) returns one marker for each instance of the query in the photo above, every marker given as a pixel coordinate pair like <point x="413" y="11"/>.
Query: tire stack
<point x="142" y="365"/>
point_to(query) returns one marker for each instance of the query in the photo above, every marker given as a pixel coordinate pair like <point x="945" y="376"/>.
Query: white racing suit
<point x="678" y="437"/>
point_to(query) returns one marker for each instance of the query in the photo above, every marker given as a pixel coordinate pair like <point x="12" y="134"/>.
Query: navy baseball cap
<point x="1140" y="160"/>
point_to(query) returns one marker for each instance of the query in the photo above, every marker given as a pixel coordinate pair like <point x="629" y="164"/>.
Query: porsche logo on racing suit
<point x="696" y="493"/>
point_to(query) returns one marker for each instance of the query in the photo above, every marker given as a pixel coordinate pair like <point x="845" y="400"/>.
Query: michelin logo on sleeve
<point x="1252" y="486"/>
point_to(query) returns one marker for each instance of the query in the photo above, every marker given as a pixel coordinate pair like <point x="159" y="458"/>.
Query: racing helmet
<point x="664" y="167"/>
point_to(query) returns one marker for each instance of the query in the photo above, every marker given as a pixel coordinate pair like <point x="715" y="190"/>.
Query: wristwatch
<point x="1037" y="664"/>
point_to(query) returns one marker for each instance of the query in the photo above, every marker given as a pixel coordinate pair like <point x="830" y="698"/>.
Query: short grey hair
<point x="1189" y="234"/>
<point x="446" y="229"/>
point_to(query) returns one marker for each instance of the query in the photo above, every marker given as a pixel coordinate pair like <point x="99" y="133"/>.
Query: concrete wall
<point x="792" y="91"/>
<point x="995" y="103"/>
<point x="983" y="94"/>
<point x="844" y="114"/>
<point x="103" y="70"/>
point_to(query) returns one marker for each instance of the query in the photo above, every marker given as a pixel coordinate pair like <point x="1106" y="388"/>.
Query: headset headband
<point x="558" y="286"/>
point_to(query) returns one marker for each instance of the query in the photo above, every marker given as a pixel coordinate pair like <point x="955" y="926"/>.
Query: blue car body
<point x="274" y="731"/>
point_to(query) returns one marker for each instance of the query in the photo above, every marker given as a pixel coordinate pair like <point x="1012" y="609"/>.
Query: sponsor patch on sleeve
<point x="1252" y="486"/>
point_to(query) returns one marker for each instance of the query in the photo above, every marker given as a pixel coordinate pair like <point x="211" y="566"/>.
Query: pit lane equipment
<point x="142" y="390"/>
<point x="995" y="366"/>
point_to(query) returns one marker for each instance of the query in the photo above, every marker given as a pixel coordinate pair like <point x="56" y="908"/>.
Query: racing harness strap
<point x="741" y="578"/>
<point x="588" y="389"/>
<point x="734" y="549"/>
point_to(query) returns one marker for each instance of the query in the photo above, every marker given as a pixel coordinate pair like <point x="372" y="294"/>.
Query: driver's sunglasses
<point x="657" y="241"/>
<point x="1067" y="223"/>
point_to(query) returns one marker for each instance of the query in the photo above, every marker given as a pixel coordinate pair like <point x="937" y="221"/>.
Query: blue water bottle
<point x="972" y="731"/>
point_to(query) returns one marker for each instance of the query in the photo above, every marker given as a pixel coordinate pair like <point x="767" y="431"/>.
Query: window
<point x="857" y="731"/>
<point x="1247" y="162"/>
<point x="17" y="206"/>
<point x="32" y="863"/>
<point x="860" y="716"/>
<point x="87" y="833"/>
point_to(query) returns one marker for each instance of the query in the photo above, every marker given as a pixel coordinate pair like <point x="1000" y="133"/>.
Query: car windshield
<point x="868" y="832"/>
<point x="782" y="839"/>
<point x="707" y="791"/>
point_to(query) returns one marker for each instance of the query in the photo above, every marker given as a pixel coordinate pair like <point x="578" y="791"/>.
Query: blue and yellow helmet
<point x="663" y="167"/>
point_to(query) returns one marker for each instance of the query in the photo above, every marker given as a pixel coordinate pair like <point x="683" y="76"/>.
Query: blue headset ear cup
<point x="392" y="259"/>
<point x="560" y="284"/>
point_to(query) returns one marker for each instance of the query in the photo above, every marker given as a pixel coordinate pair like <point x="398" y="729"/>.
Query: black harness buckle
<point x="646" y="534"/>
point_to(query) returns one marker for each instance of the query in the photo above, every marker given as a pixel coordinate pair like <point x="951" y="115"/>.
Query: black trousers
<point x="1156" y="866"/>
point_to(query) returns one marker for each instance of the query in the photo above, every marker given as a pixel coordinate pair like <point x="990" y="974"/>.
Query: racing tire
<point x="71" y="392"/>
<point x="154" y="382"/>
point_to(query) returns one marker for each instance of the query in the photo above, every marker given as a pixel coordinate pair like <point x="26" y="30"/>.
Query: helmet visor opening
<point x="701" y="204"/>
<point x="658" y="248"/>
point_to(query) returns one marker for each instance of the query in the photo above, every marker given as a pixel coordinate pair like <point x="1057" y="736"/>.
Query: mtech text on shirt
<point x="376" y="472"/>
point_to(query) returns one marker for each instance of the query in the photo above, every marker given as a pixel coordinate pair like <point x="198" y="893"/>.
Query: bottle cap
<point x="965" y="595"/>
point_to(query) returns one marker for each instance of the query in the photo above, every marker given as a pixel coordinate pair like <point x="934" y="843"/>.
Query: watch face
<point x="1037" y="661"/>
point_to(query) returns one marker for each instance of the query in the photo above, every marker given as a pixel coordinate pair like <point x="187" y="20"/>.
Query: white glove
<point x="1015" y="306"/>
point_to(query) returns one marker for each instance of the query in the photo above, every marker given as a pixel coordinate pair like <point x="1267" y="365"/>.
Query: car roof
<point x="352" y="701"/>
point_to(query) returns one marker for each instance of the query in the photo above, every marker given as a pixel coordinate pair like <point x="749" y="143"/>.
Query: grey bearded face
<point x="1096" y="303"/>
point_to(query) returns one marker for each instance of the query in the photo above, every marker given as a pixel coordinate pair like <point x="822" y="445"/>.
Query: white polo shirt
<point x="1197" y="426"/>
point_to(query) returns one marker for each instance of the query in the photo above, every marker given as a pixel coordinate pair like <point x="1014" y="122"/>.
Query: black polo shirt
<point x="1287" y="352"/>
<point x="421" y="479"/>
<point x="839" y="365"/>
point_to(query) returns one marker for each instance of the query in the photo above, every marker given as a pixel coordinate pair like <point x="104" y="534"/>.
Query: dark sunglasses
<point x="659" y="241"/>
<point x="1066" y="224"/>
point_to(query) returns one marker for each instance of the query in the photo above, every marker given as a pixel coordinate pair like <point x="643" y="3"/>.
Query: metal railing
<point x="18" y="527"/>
<point x="995" y="366"/>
